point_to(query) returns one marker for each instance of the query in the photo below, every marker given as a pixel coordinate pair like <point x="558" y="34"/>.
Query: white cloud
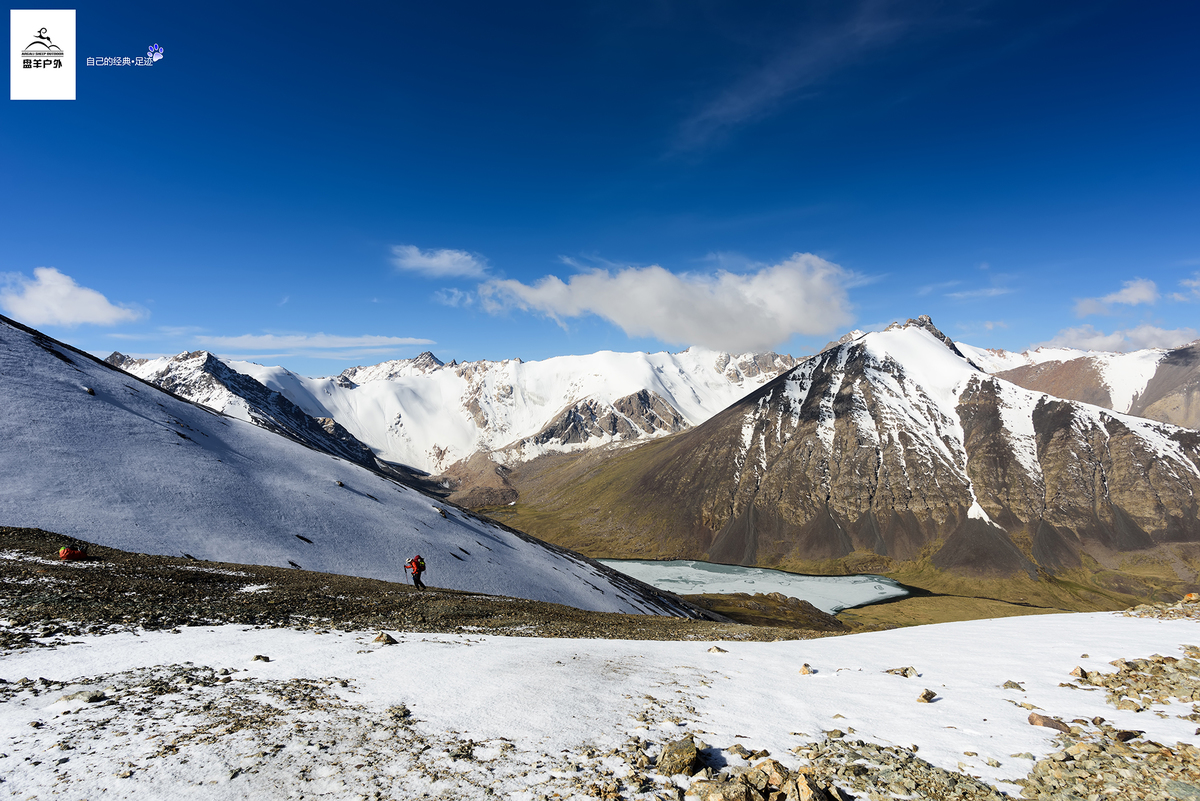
<point x="1138" y="291"/>
<point x="726" y="311"/>
<point x="928" y="288"/>
<point x="443" y="263"/>
<point x="456" y="298"/>
<point x="1086" y="337"/>
<point x="1192" y="283"/>
<point x="987" y="292"/>
<point x="1132" y="293"/>
<point x="315" y="345"/>
<point x="51" y="298"/>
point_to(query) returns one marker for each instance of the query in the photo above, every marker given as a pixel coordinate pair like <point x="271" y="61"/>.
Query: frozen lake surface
<point x="830" y="594"/>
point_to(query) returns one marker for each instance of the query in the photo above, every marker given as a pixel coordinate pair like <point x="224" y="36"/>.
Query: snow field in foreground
<point x="533" y="707"/>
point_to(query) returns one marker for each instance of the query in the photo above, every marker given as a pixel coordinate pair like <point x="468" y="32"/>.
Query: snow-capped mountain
<point x="203" y="378"/>
<point x="429" y="415"/>
<point x="891" y="448"/>
<point x="88" y="451"/>
<point x="1157" y="383"/>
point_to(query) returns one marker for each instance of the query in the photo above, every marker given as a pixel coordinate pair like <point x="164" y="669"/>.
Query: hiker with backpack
<point x="416" y="566"/>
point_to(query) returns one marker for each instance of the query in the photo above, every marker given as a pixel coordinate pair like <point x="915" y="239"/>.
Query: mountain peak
<point x="925" y="322"/>
<point x="427" y="360"/>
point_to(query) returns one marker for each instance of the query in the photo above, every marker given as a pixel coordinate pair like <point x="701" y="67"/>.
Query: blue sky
<point x="321" y="185"/>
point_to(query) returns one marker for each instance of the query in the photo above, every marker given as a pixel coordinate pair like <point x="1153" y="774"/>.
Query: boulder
<point x="679" y="756"/>
<point x="802" y="788"/>
<point x="705" y="790"/>
<point x="766" y="774"/>
<point x="1048" y="722"/>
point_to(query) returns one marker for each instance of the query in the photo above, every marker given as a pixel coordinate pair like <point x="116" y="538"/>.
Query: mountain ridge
<point x="893" y="450"/>
<point x="1158" y="383"/>
<point x="430" y="415"/>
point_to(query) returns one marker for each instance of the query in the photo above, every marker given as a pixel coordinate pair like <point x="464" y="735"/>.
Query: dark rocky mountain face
<point x="891" y="450"/>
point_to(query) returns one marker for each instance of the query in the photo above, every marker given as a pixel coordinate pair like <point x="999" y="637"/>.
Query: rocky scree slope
<point x="892" y="450"/>
<point x="89" y="451"/>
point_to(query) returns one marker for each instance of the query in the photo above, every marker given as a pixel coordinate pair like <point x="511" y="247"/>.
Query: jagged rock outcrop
<point x="640" y="414"/>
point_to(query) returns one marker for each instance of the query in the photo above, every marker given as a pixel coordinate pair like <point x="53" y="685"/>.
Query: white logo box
<point x="42" y="54"/>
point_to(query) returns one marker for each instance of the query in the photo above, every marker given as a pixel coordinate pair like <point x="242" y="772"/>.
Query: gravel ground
<point x="312" y="734"/>
<point x="116" y="590"/>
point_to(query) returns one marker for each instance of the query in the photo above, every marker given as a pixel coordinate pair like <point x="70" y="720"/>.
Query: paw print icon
<point x="154" y="53"/>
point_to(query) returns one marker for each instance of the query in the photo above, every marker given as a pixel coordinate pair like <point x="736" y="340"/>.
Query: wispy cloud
<point x="287" y="341"/>
<point x="455" y="298"/>
<point x="1132" y="293"/>
<point x="931" y="288"/>
<point x="52" y="298"/>
<point x="318" y="346"/>
<point x="1087" y="337"/>
<point x="160" y="333"/>
<point x="810" y="58"/>
<point x="803" y="294"/>
<point x="975" y="294"/>
<point x="443" y="263"/>
<point x="1192" y="285"/>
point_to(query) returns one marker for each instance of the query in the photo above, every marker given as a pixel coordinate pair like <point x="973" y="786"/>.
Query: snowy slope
<point x="1124" y="375"/>
<point x="88" y="451"/>
<point x="428" y="415"/>
<point x="539" y="715"/>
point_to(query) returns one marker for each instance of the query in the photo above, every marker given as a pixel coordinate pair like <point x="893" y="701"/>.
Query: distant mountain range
<point x="1156" y="383"/>
<point x="466" y="420"/>
<point x="898" y="450"/>
<point x="892" y="451"/>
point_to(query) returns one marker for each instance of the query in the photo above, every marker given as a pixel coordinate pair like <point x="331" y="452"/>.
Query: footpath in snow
<point x="336" y="714"/>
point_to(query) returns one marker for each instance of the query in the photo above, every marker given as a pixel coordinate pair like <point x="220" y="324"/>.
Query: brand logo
<point x="42" y="52"/>
<point x="42" y="60"/>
